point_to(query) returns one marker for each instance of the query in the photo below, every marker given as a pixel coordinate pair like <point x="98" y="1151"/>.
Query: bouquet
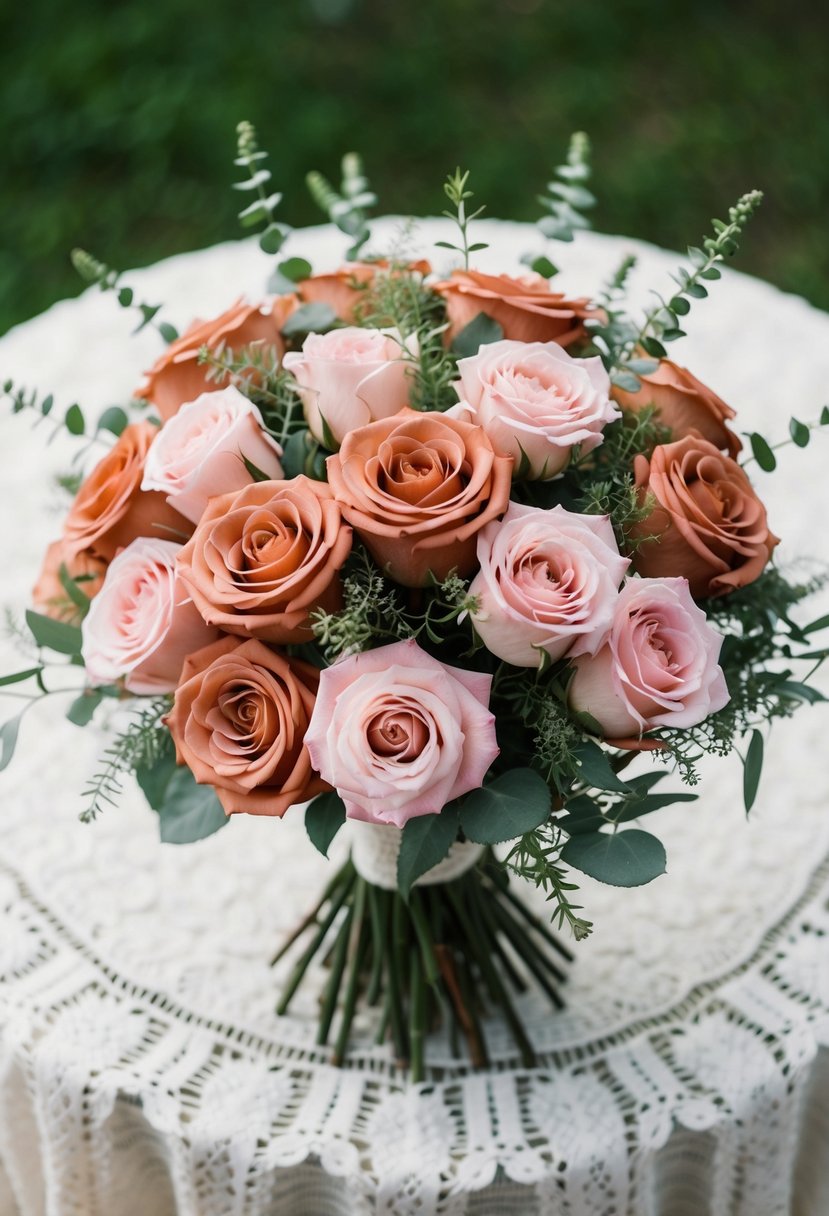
<point x="437" y="554"/>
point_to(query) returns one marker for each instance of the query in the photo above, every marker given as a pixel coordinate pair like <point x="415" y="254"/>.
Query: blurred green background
<point x="117" y="122"/>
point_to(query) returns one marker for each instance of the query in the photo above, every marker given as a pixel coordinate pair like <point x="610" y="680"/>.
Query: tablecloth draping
<point x="143" y="1071"/>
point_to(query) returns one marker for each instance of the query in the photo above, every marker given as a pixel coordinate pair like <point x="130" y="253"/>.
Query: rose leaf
<point x="324" y="817"/>
<point x="189" y="811"/>
<point x="480" y="331"/>
<point x="425" y="841"/>
<point x="623" y="859"/>
<point x="516" y="802"/>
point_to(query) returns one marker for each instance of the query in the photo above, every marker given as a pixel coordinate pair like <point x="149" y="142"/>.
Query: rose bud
<point x="709" y="525"/>
<point x="350" y="377"/>
<point x="177" y="376"/>
<point x="111" y="510"/>
<point x="262" y="559"/>
<point x="202" y="451"/>
<point x="418" y="488"/>
<point x="548" y="584"/>
<point x="399" y="734"/>
<point x="659" y="666"/>
<point x="535" y="402"/>
<point x="525" y="308"/>
<point x="239" y="721"/>
<point x="683" y="404"/>
<point x="142" y="624"/>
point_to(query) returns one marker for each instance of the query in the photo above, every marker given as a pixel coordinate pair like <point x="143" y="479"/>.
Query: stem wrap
<point x="374" y="850"/>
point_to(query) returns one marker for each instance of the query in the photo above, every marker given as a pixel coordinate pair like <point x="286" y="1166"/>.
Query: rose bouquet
<point x="437" y="554"/>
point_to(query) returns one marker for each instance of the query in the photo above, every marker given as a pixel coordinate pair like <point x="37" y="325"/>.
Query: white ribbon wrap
<point x="374" y="850"/>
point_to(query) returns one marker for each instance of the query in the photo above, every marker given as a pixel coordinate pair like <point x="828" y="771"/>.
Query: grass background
<point x="117" y="121"/>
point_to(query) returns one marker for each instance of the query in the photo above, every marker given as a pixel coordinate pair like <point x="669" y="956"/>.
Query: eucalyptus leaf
<point x="752" y="769"/>
<point x="154" y="779"/>
<point x="295" y="269"/>
<point x="8" y="740"/>
<point x="629" y="858"/>
<point x="114" y="419"/>
<point x="425" y="841"/>
<point x="799" y="432"/>
<point x="323" y="819"/>
<point x="19" y="676"/>
<point x="514" y="803"/>
<point x="762" y="453"/>
<point x="189" y="811"/>
<point x="74" y="420"/>
<point x="314" y="318"/>
<point x="54" y="635"/>
<point x="82" y="709"/>
<point x="596" y="770"/>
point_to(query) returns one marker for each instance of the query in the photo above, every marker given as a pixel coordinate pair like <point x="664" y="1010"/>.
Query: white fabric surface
<point x="142" y="1068"/>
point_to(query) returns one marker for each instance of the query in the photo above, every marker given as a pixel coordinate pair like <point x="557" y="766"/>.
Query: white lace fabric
<point x="142" y="1066"/>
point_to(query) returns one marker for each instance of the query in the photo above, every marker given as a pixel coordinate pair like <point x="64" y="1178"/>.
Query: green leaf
<point x="74" y="420"/>
<point x="83" y="707"/>
<point x="273" y="238"/>
<point x="596" y="770"/>
<point x="189" y="811"/>
<point x="648" y="803"/>
<point x="154" y="779"/>
<point x="623" y="859"/>
<point x="425" y="841"/>
<point x="54" y="635"/>
<point x="168" y="332"/>
<point x="480" y="331"/>
<point x="313" y="318"/>
<point x="799" y="432"/>
<point x="679" y="305"/>
<point x="762" y="453"/>
<point x="125" y="297"/>
<point x="294" y="454"/>
<point x="514" y="803"/>
<point x="113" y="419"/>
<point x="824" y="416"/>
<point x="255" y="472"/>
<point x="814" y="626"/>
<point x="654" y="347"/>
<point x="8" y="740"/>
<point x="752" y="769"/>
<point x="295" y="269"/>
<point x="75" y="593"/>
<point x="20" y="676"/>
<point x="323" y="819"/>
<point x="541" y="265"/>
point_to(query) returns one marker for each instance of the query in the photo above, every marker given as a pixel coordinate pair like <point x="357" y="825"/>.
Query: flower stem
<point x="314" y="945"/>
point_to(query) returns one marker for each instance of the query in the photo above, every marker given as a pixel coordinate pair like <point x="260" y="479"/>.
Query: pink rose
<point x="142" y="624"/>
<point x="350" y="377"/>
<point x="535" y="402"/>
<point x="201" y="451"/>
<point x="548" y="583"/>
<point x="399" y="734"/>
<point x="659" y="667"/>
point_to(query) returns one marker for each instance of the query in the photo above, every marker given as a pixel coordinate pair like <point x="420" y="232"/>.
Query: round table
<point x="142" y="1067"/>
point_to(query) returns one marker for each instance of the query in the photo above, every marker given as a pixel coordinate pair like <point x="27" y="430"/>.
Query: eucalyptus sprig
<point x="113" y="419"/>
<point x="800" y="434"/>
<point x="566" y="200"/>
<point x="261" y="211"/>
<point x="347" y="208"/>
<point x="98" y="273"/>
<point x="455" y="190"/>
<point x="661" y="324"/>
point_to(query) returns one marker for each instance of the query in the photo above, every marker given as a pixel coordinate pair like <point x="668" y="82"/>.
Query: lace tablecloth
<point x="143" y="1070"/>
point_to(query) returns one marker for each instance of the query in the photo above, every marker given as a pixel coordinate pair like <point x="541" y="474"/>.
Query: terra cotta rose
<point x="177" y="376"/>
<point x="238" y="722"/>
<point x="659" y="666"/>
<point x="418" y="488"/>
<point x="684" y="404"/>
<point x="525" y="308"/>
<point x="263" y="558"/>
<point x="399" y="734"/>
<point x="708" y="524"/>
<point x="49" y="595"/>
<point x="111" y="510"/>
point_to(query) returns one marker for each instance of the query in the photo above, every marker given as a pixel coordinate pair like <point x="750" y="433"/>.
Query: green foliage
<point x="516" y="802"/>
<point x="425" y="841"/>
<point x="59" y="636"/>
<point x="372" y="612"/>
<point x="752" y="768"/>
<point x="143" y="744"/>
<point x="536" y="857"/>
<point x="188" y="812"/>
<point x="261" y="210"/>
<point x="628" y="858"/>
<point x="800" y="434"/>
<point x="324" y="816"/>
<point x="455" y="190"/>
<point x="347" y="208"/>
<point x="99" y="274"/>
<point x="480" y="330"/>
<point x="256" y="372"/>
<point x="567" y="196"/>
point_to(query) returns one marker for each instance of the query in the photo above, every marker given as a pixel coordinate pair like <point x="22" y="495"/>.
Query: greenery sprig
<point x="261" y="211"/>
<point x="347" y="208"/>
<point x="455" y="190"/>
<point x="107" y="279"/>
<point x="141" y="744"/>
<point x="566" y="201"/>
<point x="113" y="419"/>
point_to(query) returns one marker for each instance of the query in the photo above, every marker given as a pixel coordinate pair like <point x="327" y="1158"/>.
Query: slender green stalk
<point x="536" y="923"/>
<point x="393" y="971"/>
<point x="314" y="945"/>
<point x="358" y="944"/>
<point x="417" y="1015"/>
<point x="421" y="928"/>
<point x="342" y="875"/>
<point x="338" y="963"/>
<point x="377" y="945"/>
<point x="527" y="952"/>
